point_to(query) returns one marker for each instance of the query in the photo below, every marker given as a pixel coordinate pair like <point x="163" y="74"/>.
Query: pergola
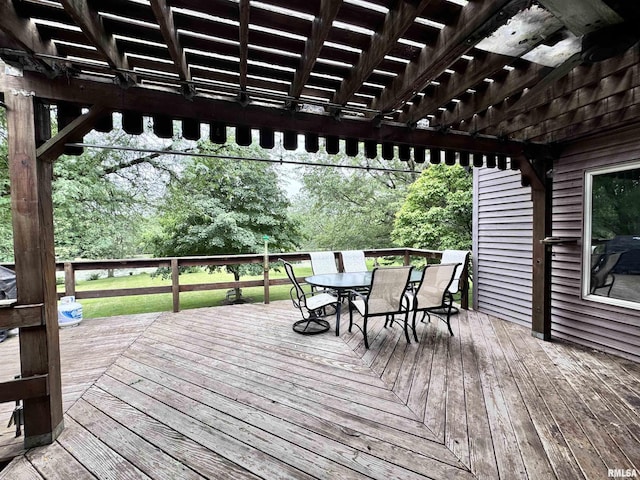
<point x="499" y="83"/>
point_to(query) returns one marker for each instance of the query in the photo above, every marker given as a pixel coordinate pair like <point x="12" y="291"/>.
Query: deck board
<point x="233" y="393"/>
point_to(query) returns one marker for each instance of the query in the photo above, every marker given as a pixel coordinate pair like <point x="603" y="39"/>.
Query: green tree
<point x="437" y="213"/>
<point x="222" y="207"/>
<point x="344" y="208"/>
<point x="102" y="198"/>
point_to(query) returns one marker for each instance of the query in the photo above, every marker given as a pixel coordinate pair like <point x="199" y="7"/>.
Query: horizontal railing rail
<point x="176" y="263"/>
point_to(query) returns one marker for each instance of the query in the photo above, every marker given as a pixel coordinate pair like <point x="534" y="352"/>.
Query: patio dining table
<point x="344" y="281"/>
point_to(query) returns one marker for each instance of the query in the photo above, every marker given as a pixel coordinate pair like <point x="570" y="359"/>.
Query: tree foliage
<point x="103" y="197"/>
<point x="350" y="209"/>
<point x="218" y="206"/>
<point x="616" y="200"/>
<point x="437" y="213"/>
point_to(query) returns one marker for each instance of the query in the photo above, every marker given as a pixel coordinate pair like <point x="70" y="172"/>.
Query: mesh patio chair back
<point x="388" y="286"/>
<point x="310" y="305"/>
<point x="460" y="257"/>
<point x="353" y="261"/>
<point x="300" y="300"/>
<point x="436" y="281"/>
<point x="434" y="294"/>
<point x="323" y="262"/>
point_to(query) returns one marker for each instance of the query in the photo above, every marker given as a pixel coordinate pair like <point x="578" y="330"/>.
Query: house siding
<point x="604" y="327"/>
<point x="502" y="245"/>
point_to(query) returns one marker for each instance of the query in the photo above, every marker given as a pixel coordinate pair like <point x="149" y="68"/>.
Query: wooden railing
<point x="176" y="263"/>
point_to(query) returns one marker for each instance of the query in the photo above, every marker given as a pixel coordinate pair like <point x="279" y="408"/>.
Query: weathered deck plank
<point x="232" y="392"/>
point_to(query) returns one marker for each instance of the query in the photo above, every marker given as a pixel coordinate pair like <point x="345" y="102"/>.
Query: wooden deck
<point x="232" y="392"/>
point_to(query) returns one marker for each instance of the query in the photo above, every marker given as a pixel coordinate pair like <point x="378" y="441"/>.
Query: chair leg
<point x="406" y="328"/>
<point x="415" y="335"/>
<point x="449" y="308"/>
<point x="350" y="317"/>
<point x="364" y="332"/>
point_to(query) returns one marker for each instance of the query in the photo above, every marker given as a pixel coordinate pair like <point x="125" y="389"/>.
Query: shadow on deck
<point x="232" y="392"/>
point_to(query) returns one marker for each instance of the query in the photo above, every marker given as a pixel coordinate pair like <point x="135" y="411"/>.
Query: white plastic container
<point x="69" y="312"/>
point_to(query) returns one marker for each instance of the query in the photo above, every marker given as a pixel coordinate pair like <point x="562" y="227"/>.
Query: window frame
<point x="587" y="209"/>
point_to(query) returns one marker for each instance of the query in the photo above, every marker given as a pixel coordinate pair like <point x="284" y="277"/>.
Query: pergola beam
<point x="26" y="36"/>
<point x="78" y="128"/>
<point x="481" y="67"/>
<point x="244" y="10"/>
<point x="495" y="92"/>
<point x="579" y="78"/>
<point x="164" y="17"/>
<point x="91" y="25"/>
<point x="319" y="33"/>
<point x="398" y="20"/>
<point x="476" y="20"/>
<point x="207" y="109"/>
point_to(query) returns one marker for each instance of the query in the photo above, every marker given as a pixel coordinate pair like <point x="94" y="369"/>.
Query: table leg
<point x="338" y="310"/>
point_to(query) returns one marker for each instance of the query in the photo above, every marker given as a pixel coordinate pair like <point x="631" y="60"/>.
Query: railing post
<point x="266" y="269"/>
<point x="407" y="258"/>
<point x="69" y="279"/>
<point x="175" y="284"/>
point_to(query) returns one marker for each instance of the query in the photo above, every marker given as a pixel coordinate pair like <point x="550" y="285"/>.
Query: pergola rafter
<point x="319" y="33"/>
<point x="475" y="21"/>
<point x="91" y="25"/>
<point x="397" y="21"/>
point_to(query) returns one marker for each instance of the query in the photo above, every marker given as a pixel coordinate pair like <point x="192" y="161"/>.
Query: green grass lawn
<point x="129" y="305"/>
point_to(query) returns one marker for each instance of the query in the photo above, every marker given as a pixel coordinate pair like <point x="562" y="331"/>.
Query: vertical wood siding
<point x="502" y="245"/>
<point x="604" y="327"/>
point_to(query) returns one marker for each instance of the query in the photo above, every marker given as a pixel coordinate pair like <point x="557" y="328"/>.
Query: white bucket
<point x="69" y="312"/>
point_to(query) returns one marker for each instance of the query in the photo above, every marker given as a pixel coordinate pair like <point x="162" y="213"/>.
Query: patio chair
<point x="310" y="305"/>
<point x="461" y="257"/>
<point x="602" y="271"/>
<point x="385" y="297"/>
<point x="323" y="262"/>
<point x="433" y="294"/>
<point x="353" y="261"/>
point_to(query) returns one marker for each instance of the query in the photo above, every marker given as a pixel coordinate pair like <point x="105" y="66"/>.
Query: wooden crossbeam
<point x="476" y="20"/>
<point x="24" y="388"/>
<point x="482" y="66"/>
<point x="214" y="110"/>
<point x="25" y="34"/>
<point x="244" y="10"/>
<point x="398" y="20"/>
<point x="89" y="21"/>
<point x="82" y="125"/>
<point x="319" y="32"/>
<point x="581" y="77"/>
<point x="493" y="94"/>
<point x="164" y="17"/>
<point x="21" y="316"/>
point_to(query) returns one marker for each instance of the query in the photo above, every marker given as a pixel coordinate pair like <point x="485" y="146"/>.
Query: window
<point x="611" y="266"/>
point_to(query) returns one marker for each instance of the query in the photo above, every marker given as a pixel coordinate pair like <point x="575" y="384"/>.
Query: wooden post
<point x="464" y="287"/>
<point x="69" y="279"/>
<point x="266" y="268"/>
<point x="175" y="284"/>
<point x="541" y="294"/>
<point x="32" y="219"/>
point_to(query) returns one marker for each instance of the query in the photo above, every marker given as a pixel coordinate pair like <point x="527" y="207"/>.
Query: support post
<point x="175" y="284"/>
<point x="266" y="269"/>
<point x="32" y="219"/>
<point x="542" y="216"/>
